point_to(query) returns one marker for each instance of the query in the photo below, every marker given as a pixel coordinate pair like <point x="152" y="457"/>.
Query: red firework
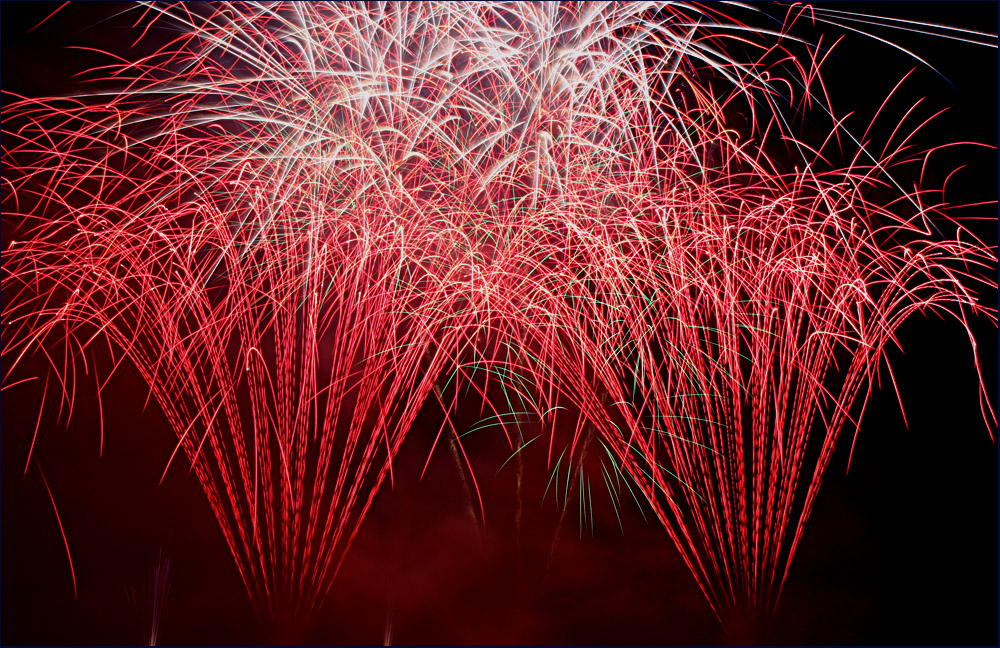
<point x="295" y="220"/>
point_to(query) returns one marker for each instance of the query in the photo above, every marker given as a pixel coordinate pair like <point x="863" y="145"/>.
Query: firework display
<point x="303" y="224"/>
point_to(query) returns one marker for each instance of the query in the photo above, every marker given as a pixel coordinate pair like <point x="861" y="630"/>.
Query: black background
<point x="902" y="549"/>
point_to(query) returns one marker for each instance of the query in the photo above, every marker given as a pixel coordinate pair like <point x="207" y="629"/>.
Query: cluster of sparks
<point x="303" y="222"/>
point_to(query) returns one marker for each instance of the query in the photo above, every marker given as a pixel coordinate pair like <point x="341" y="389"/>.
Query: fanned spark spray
<point x="250" y="258"/>
<point x="721" y="320"/>
<point x="302" y="221"/>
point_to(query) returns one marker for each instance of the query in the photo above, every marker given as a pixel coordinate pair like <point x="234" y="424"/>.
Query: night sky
<point x="902" y="549"/>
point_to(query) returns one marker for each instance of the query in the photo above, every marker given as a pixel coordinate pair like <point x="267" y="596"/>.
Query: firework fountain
<point x="298" y="220"/>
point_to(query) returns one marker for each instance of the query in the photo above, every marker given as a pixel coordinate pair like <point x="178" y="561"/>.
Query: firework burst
<point x="302" y="221"/>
